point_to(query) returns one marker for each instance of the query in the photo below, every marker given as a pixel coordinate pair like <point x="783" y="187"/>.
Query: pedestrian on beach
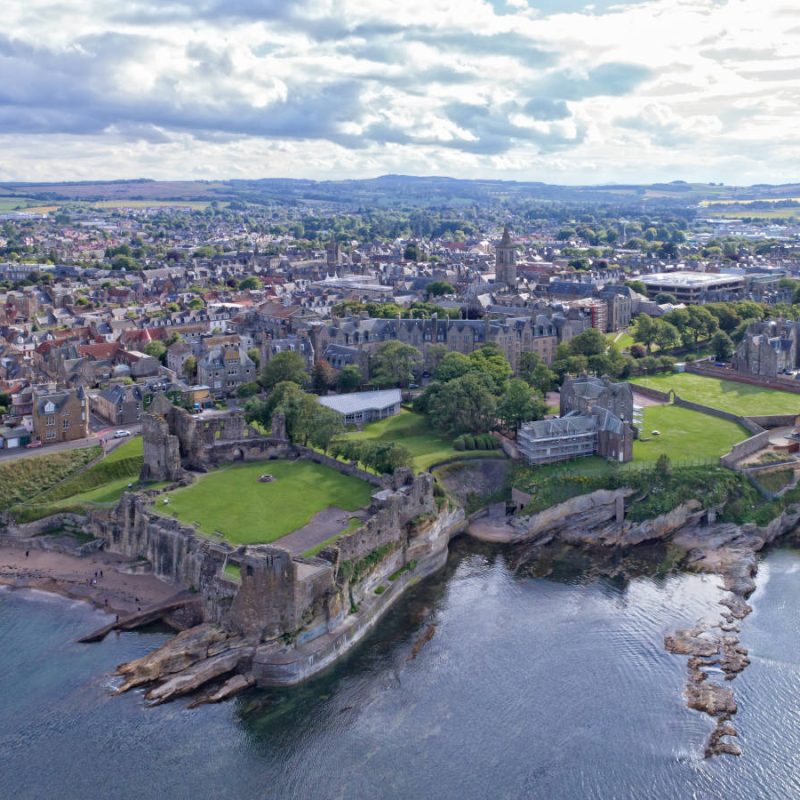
<point x="101" y="573"/>
<point x="27" y="553"/>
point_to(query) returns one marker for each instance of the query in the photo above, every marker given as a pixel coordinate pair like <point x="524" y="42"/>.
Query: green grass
<point x="24" y="478"/>
<point x="775" y="481"/>
<point x="427" y="446"/>
<point x="233" y="572"/>
<point x="353" y="523"/>
<point x="131" y="448"/>
<point x="736" y="398"/>
<point x="232" y="501"/>
<point x="686" y="435"/>
<point x="622" y="340"/>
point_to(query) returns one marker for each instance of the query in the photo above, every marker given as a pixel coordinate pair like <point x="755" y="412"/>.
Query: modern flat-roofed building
<point x="359" y="408"/>
<point x="695" y="287"/>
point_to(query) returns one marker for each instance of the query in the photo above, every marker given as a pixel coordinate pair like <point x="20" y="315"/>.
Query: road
<point x="95" y="438"/>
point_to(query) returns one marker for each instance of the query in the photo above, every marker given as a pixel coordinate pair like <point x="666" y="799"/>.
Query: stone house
<point x="119" y="404"/>
<point x="60" y="416"/>
<point x="224" y="369"/>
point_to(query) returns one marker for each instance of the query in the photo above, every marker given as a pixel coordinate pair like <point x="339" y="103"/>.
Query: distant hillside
<point x="392" y="190"/>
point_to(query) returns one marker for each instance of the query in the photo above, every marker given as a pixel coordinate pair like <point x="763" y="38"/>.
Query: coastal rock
<point x="716" y="746"/>
<point x="711" y="698"/>
<point x="191" y="679"/>
<point x="179" y="653"/>
<point x="693" y="642"/>
<point x="739" y="608"/>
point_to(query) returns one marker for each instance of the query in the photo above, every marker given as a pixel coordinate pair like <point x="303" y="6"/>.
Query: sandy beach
<point x="72" y="577"/>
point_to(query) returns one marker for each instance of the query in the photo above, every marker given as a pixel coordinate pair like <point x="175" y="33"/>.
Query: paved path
<point x="322" y="526"/>
<point x="95" y="438"/>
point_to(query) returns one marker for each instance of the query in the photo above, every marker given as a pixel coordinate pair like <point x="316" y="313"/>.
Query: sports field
<point x="233" y="501"/>
<point x="736" y="398"/>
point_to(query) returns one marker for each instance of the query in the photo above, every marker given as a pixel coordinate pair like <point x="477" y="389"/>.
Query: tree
<point x="434" y="356"/>
<point x="662" y="298"/>
<point x="667" y="335"/>
<point x="722" y="346"/>
<point x="439" y="288"/>
<point x="324" y="424"/>
<point x="453" y="366"/>
<point x="322" y="378"/>
<point x="490" y="361"/>
<point x="645" y="330"/>
<point x="589" y="343"/>
<point x="463" y="405"/>
<point x="251" y="282"/>
<point x="254" y="354"/>
<point x="156" y="349"/>
<point x="637" y="286"/>
<point x="535" y="373"/>
<point x="518" y="405"/>
<point x="394" y="363"/>
<point x="286" y="366"/>
<point x="702" y="324"/>
<point x="350" y="378"/>
<point x="189" y="368"/>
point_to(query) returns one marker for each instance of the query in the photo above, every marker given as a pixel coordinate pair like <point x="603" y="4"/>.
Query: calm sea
<point x="530" y="688"/>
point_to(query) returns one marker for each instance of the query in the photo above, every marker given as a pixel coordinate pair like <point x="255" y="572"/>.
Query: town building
<point x="768" y="349"/>
<point x="360" y="408"/>
<point x="60" y="416"/>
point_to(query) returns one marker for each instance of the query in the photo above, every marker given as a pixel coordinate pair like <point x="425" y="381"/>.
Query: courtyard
<point x="233" y="502"/>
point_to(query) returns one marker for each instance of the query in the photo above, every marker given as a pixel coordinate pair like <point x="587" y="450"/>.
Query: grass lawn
<point x="621" y="339"/>
<point x="736" y="398"/>
<point x="130" y="448"/>
<point x="427" y="446"/>
<point x="686" y="435"/>
<point x="232" y="501"/>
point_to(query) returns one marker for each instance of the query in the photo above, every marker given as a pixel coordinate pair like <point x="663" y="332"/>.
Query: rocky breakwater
<point x="715" y="653"/>
<point x="286" y="618"/>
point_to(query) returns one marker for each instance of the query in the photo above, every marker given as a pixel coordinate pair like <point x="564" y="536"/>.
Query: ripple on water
<point x="529" y="688"/>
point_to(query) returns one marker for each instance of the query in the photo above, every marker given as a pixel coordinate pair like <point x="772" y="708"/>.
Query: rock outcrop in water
<point x="715" y="652"/>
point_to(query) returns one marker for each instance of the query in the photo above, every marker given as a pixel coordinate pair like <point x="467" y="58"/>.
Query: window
<point x="51" y="420"/>
<point x="66" y="423"/>
<point x="50" y="435"/>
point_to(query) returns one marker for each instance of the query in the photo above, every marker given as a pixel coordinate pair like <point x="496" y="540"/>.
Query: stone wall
<point x="653" y="394"/>
<point x="777" y="420"/>
<point x="746" y="423"/>
<point x="784" y="384"/>
<point x="13" y="530"/>
<point x="745" y="449"/>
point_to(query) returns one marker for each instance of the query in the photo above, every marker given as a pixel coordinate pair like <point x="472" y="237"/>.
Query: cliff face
<point x="299" y="614"/>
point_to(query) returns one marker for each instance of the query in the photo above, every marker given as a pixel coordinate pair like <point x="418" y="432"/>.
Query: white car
<point x="121" y="434"/>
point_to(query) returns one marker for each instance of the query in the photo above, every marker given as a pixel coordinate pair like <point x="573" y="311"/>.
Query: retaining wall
<point x="653" y="394"/>
<point x="744" y="449"/>
<point x="746" y="423"/>
<point x="781" y="384"/>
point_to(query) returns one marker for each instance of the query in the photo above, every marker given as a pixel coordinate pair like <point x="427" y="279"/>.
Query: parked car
<point x="35" y="443"/>
<point x="121" y="434"/>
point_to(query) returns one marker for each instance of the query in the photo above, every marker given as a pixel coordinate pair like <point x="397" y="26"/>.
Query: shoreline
<point x="69" y="576"/>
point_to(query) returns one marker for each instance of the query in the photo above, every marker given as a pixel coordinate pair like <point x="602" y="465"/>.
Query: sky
<point x="549" y="90"/>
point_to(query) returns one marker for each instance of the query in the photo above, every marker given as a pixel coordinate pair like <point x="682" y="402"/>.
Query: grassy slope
<point x="685" y="435"/>
<point x="101" y="484"/>
<point x="737" y="398"/>
<point x="23" y="479"/>
<point x="427" y="446"/>
<point x="232" y="501"/>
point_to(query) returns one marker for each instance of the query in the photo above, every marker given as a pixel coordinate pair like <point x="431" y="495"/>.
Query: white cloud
<point x="560" y="91"/>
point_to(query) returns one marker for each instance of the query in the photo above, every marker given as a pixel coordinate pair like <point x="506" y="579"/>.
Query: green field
<point x="621" y="339"/>
<point x="685" y="435"/>
<point x="232" y="501"/>
<point x="736" y="398"/>
<point x="427" y="446"/>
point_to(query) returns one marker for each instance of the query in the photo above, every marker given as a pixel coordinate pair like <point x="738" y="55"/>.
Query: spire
<point x="506" y="240"/>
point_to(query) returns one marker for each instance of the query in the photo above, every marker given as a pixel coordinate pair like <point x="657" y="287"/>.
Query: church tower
<point x="505" y="263"/>
<point x="333" y="254"/>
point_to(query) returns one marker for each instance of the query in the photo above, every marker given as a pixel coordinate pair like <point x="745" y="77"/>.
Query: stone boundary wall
<point x="752" y="380"/>
<point x="744" y="449"/>
<point x="653" y="394"/>
<point x="340" y="466"/>
<point x="26" y="530"/>
<point x="746" y="423"/>
<point x="466" y="458"/>
<point x="777" y="420"/>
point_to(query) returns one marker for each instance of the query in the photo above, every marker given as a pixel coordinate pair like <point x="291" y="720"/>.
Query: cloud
<point x="519" y="88"/>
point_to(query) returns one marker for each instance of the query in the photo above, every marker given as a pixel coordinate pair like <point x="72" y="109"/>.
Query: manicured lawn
<point x="686" y="436"/>
<point x="736" y="398"/>
<point x="232" y="501"/>
<point x="621" y="339"/>
<point x="427" y="446"/>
